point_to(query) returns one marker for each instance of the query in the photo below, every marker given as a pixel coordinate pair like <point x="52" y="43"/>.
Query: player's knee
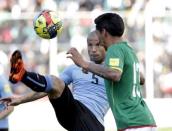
<point x="57" y="87"/>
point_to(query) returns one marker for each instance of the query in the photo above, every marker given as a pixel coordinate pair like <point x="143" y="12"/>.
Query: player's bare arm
<point x="31" y="96"/>
<point x="102" y="71"/>
<point x="20" y="99"/>
<point x="6" y="112"/>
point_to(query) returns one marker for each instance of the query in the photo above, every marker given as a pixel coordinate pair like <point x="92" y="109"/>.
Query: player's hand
<point x="77" y="58"/>
<point x="17" y="67"/>
<point x="11" y="101"/>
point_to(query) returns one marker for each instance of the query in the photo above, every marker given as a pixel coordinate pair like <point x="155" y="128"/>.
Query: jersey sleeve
<point x="66" y="75"/>
<point x="115" y="58"/>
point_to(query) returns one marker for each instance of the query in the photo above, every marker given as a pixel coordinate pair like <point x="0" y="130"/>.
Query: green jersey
<point x="127" y="104"/>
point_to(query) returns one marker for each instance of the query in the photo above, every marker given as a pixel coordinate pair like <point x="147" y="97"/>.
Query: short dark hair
<point x="112" y="22"/>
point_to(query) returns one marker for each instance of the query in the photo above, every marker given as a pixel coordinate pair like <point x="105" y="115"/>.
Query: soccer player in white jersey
<point x="84" y="108"/>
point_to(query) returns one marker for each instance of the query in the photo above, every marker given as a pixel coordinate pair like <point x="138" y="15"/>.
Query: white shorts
<point x="142" y="129"/>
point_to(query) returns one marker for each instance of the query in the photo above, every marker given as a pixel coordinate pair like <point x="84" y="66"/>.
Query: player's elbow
<point x="115" y="76"/>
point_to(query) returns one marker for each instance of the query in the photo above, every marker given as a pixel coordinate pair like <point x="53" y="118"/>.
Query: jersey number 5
<point x="95" y="79"/>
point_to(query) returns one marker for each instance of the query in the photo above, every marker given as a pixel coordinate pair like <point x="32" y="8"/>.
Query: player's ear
<point x="103" y="32"/>
<point x="106" y="33"/>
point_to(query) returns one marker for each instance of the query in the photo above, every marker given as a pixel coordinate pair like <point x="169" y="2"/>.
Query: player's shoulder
<point x="122" y="46"/>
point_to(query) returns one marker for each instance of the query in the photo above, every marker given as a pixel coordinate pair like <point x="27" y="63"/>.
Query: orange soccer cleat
<point x="17" y="67"/>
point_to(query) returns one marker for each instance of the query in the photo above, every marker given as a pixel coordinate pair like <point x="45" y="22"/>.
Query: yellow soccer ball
<point x="47" y="24"/>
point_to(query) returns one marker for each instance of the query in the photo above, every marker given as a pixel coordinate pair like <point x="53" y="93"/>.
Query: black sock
<point x="35" y="81"/>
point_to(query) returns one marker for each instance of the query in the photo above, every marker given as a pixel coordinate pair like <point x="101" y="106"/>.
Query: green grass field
<point x="159" y="129"/>
<point x="165" y="129"/>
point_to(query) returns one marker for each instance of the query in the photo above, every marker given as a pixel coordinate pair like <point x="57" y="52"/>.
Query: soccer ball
<point x="47" y="24"/>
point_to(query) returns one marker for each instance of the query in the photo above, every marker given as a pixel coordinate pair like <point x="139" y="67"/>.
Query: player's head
<point x="96" y="51"/>
<point x="109" y="24"/>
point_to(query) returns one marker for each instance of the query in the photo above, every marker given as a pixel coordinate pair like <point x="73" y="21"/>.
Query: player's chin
<point x="93" y="58"/>
<point x="96" y="60"/>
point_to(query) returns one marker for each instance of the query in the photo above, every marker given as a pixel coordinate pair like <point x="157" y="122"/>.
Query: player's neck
<point x="115" y="40"/>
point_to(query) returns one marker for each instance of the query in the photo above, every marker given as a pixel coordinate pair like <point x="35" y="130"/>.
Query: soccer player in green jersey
<point x="122" y="76"/>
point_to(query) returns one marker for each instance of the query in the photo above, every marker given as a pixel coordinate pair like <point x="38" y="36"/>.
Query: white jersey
<point x="87" y="88"/>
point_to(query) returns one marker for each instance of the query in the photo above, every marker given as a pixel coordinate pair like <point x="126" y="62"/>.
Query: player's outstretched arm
<point x="32" y="96"/>
<point x="20" y="99"/>
<point x="6" y="111"/>
<point x="105" y="72"/>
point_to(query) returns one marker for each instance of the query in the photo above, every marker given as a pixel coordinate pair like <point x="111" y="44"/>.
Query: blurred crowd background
<point x="148" y="29"/>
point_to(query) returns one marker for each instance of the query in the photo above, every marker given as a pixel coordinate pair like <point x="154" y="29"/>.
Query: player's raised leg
<point x="40" y="83"/>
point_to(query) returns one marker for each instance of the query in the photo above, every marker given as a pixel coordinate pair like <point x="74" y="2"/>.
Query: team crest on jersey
<point x="114" y="62"/>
